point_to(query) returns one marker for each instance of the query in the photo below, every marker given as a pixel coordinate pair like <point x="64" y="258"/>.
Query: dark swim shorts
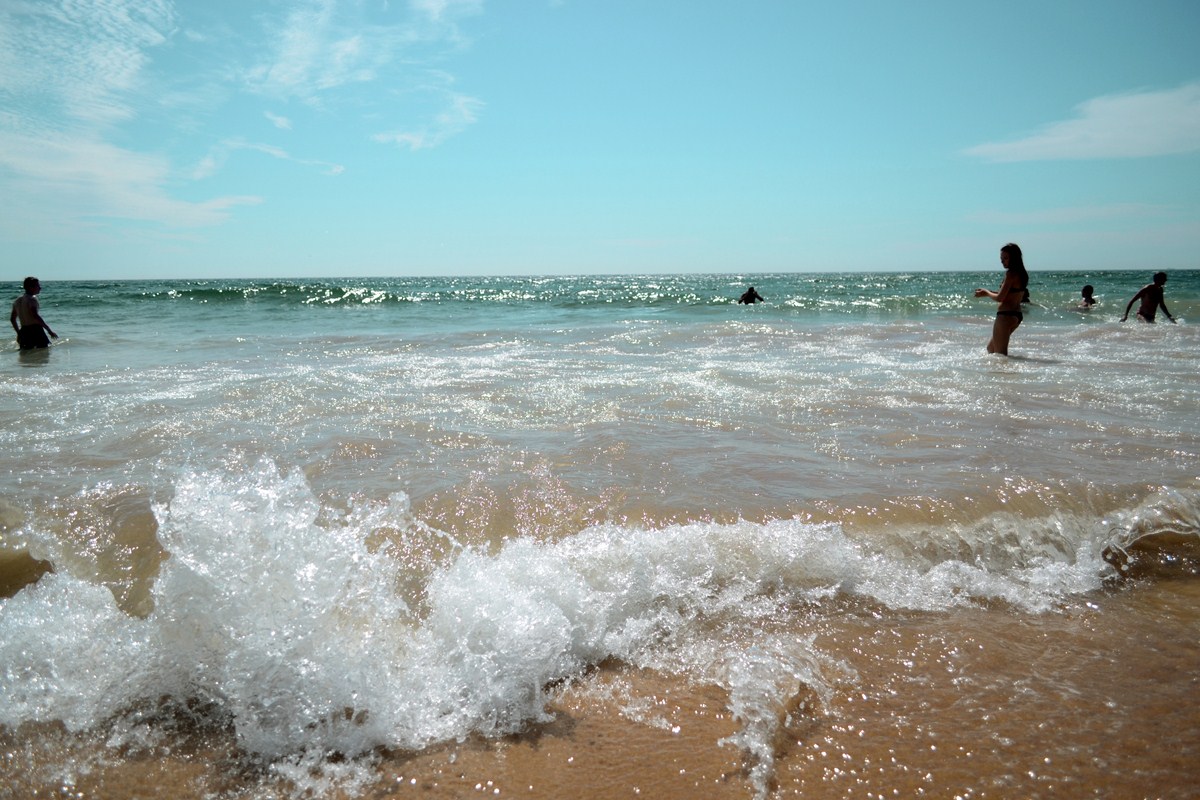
<point x="32" y="337"/>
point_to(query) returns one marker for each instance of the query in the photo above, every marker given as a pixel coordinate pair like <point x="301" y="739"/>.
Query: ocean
<point x="601" y="537"/>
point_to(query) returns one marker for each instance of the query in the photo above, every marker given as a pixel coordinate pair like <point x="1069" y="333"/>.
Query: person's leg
<point x="1002" y="330"/>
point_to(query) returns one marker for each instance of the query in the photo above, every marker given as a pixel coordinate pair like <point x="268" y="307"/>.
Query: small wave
<point x="373" y="630"/>
<point x="1159" y="539"/>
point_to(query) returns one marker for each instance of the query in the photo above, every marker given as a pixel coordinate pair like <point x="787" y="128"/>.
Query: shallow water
<point x="600" y="534"/>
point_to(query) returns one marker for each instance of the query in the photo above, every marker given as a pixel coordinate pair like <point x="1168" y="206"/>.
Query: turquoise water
<point x="435" y="499"/>
<point x="831" y="374"/>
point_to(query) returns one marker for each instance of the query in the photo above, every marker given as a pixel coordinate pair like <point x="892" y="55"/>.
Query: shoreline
<point x="983" y="702"/>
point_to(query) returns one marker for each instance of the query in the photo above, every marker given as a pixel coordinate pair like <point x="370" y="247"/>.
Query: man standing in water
<point x="31" y="334"/>
<point x="1151" y="296"/>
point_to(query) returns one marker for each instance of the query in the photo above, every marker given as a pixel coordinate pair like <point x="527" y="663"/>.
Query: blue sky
<point x="224" y="138"/>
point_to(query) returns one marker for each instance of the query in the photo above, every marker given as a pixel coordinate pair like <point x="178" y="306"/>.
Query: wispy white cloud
<point x="81" y="83"/>
<point x="438" y="10"/>
<point x="458" y="111"/>
<point x="309" y="52"/>
<point x="326" y="44"/>
<point x="90" y="178"/>
<point x="216" y="158"/>
<point x="1136" y="125"/>
<point x="70" y="74"/>
<point x="324" y="54"/>
<point x="283" y="123"/>
<point x="79" y="60"/>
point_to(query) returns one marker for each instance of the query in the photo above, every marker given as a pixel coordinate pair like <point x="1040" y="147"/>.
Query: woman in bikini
<point x="1008" y="315"/>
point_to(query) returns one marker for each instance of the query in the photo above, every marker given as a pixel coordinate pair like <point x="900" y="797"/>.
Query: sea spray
<point x="68" y="654"/>
<point x="301" y="626"/>
<point x="282" y="622"/>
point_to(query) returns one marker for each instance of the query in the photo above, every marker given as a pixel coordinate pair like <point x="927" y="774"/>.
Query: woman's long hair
<point x="1016" y="264"/>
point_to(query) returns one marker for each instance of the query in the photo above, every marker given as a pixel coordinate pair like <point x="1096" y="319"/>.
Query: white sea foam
<point x="299" y="629"/>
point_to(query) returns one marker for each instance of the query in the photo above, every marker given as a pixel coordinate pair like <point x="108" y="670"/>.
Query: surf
<point x="313" y="632"/>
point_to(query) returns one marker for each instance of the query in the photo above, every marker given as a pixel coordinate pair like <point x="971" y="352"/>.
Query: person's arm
<point x="36" y="313"/>
<point x="1162" y="303"/>
<point x="1005" y="287"/>
<point x="13" y="318"/>
<point x="42" y="322"/>
<point x="1136" y="297"/>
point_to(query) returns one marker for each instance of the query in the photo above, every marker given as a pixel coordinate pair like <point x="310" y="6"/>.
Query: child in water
<point x="1088" y="301"/>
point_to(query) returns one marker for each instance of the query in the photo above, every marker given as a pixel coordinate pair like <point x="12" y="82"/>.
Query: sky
<point x="330" y="138"/>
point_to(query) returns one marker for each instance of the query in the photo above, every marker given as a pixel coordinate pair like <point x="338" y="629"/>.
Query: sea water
<point x="370" y="537"/>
